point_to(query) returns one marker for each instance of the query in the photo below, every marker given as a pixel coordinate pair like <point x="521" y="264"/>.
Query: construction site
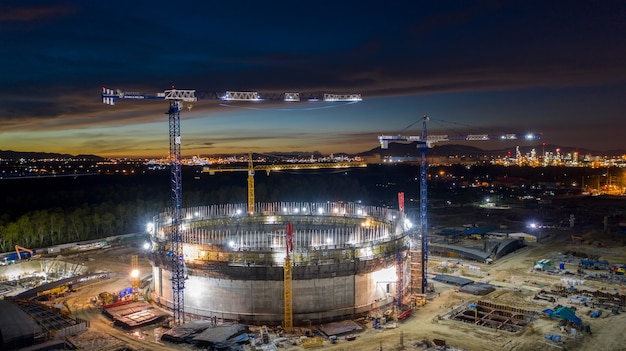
<point x="327" y="275"/>
<point x="554" y="294"/>
<point x="342" y="260"/>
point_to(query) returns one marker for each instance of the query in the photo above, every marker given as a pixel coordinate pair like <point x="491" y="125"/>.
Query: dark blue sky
<point x="557" y="67"/>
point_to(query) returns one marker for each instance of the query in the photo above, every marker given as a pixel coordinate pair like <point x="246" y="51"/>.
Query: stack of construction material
<point x="222" y="336"/>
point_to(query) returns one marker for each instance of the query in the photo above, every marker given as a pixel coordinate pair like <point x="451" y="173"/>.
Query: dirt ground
<point x="517" y="285"/>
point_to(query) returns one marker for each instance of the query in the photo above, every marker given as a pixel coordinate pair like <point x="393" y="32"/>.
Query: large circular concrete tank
<point x="347" y="260"/>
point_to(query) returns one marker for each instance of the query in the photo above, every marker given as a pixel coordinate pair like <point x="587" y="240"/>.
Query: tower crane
<point x="400" y="263"/>
<point x="419" y="267"/>
<point x="251" y="168"/>
<point x="176" y="98"/>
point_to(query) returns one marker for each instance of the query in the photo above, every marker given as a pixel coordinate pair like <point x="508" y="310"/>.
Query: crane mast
<point x="176" y="193"/>
<point x="419" y="260"/>
<point x="176" y="99"/>
<point x="400" y="263"/>
<point x="288" y="279"/>
<point x="423" y="207"/>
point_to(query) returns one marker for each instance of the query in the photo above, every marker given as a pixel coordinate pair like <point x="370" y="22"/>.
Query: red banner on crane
<point x="401" y="201"/>
<point x="289" y="238"/>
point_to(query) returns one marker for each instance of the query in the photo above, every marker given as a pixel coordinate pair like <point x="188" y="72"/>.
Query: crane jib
<point x="110" y="95"/>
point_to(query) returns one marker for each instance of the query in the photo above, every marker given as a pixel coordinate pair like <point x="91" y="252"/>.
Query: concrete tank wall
<point x="261" y="301"/>
<point x="344" y="260"/>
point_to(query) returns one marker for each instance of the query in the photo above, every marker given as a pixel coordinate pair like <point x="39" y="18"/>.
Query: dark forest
<point x="48" y="211"/>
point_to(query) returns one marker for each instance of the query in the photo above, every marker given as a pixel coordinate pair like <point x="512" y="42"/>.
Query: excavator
<point x="21" y="253"/>
<point x="28" y="253"/>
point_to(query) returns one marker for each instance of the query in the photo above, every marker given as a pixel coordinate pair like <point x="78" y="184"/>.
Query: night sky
<point x="556" y="67"/>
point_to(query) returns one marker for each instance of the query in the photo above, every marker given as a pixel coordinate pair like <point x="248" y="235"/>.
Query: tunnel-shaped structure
<point x="347" y="260"/>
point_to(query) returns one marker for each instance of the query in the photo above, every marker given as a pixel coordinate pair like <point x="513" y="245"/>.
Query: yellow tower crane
<point x="278" y="167"/>
<point x="288" y="279"/>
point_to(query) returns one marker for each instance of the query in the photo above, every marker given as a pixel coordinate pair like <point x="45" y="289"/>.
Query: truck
<point x="617" y="270"/>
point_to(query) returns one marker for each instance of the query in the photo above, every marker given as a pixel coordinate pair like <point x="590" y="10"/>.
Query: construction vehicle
<point x="23" y="255"/>
<point x="405" y="314"/>
<point x="251" y="168"/>
<point x="106" y="298"/>
<point x="418" y="300"/>
<point x="53" y="292"/>
<point x="265" y="335"/>
<point x="617" y="270"/>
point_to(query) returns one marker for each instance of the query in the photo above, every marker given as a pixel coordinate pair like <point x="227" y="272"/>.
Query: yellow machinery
<point x="265" y="335"/>
<point x="134" y="276"/>
<point x="316" y="341"/>
<point x="106" y="298"/>
<point x="419" y="300"/>
<point x="288" y="280"/>
<point x="54" y="291"/>
<point x="272" y="167"/>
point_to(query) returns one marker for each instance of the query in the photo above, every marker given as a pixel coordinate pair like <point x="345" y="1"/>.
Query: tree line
<point x="49" y="211"/>
<point x="47" y="227"/>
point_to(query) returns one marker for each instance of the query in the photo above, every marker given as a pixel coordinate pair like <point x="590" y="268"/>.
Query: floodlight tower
<point x="134" y="275"/>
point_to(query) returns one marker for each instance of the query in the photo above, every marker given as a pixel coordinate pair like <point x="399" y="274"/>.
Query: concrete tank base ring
<point x="345" y="261"/>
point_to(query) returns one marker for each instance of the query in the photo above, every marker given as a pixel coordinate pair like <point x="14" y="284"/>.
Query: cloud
<point x="34" y="13"/>
<point x="54" y="57"/>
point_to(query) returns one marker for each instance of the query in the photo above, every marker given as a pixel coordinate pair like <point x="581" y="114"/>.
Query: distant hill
<point x="411" y="149"/>
<point x="16" y="155"/>
<point x="395" y="149"/>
